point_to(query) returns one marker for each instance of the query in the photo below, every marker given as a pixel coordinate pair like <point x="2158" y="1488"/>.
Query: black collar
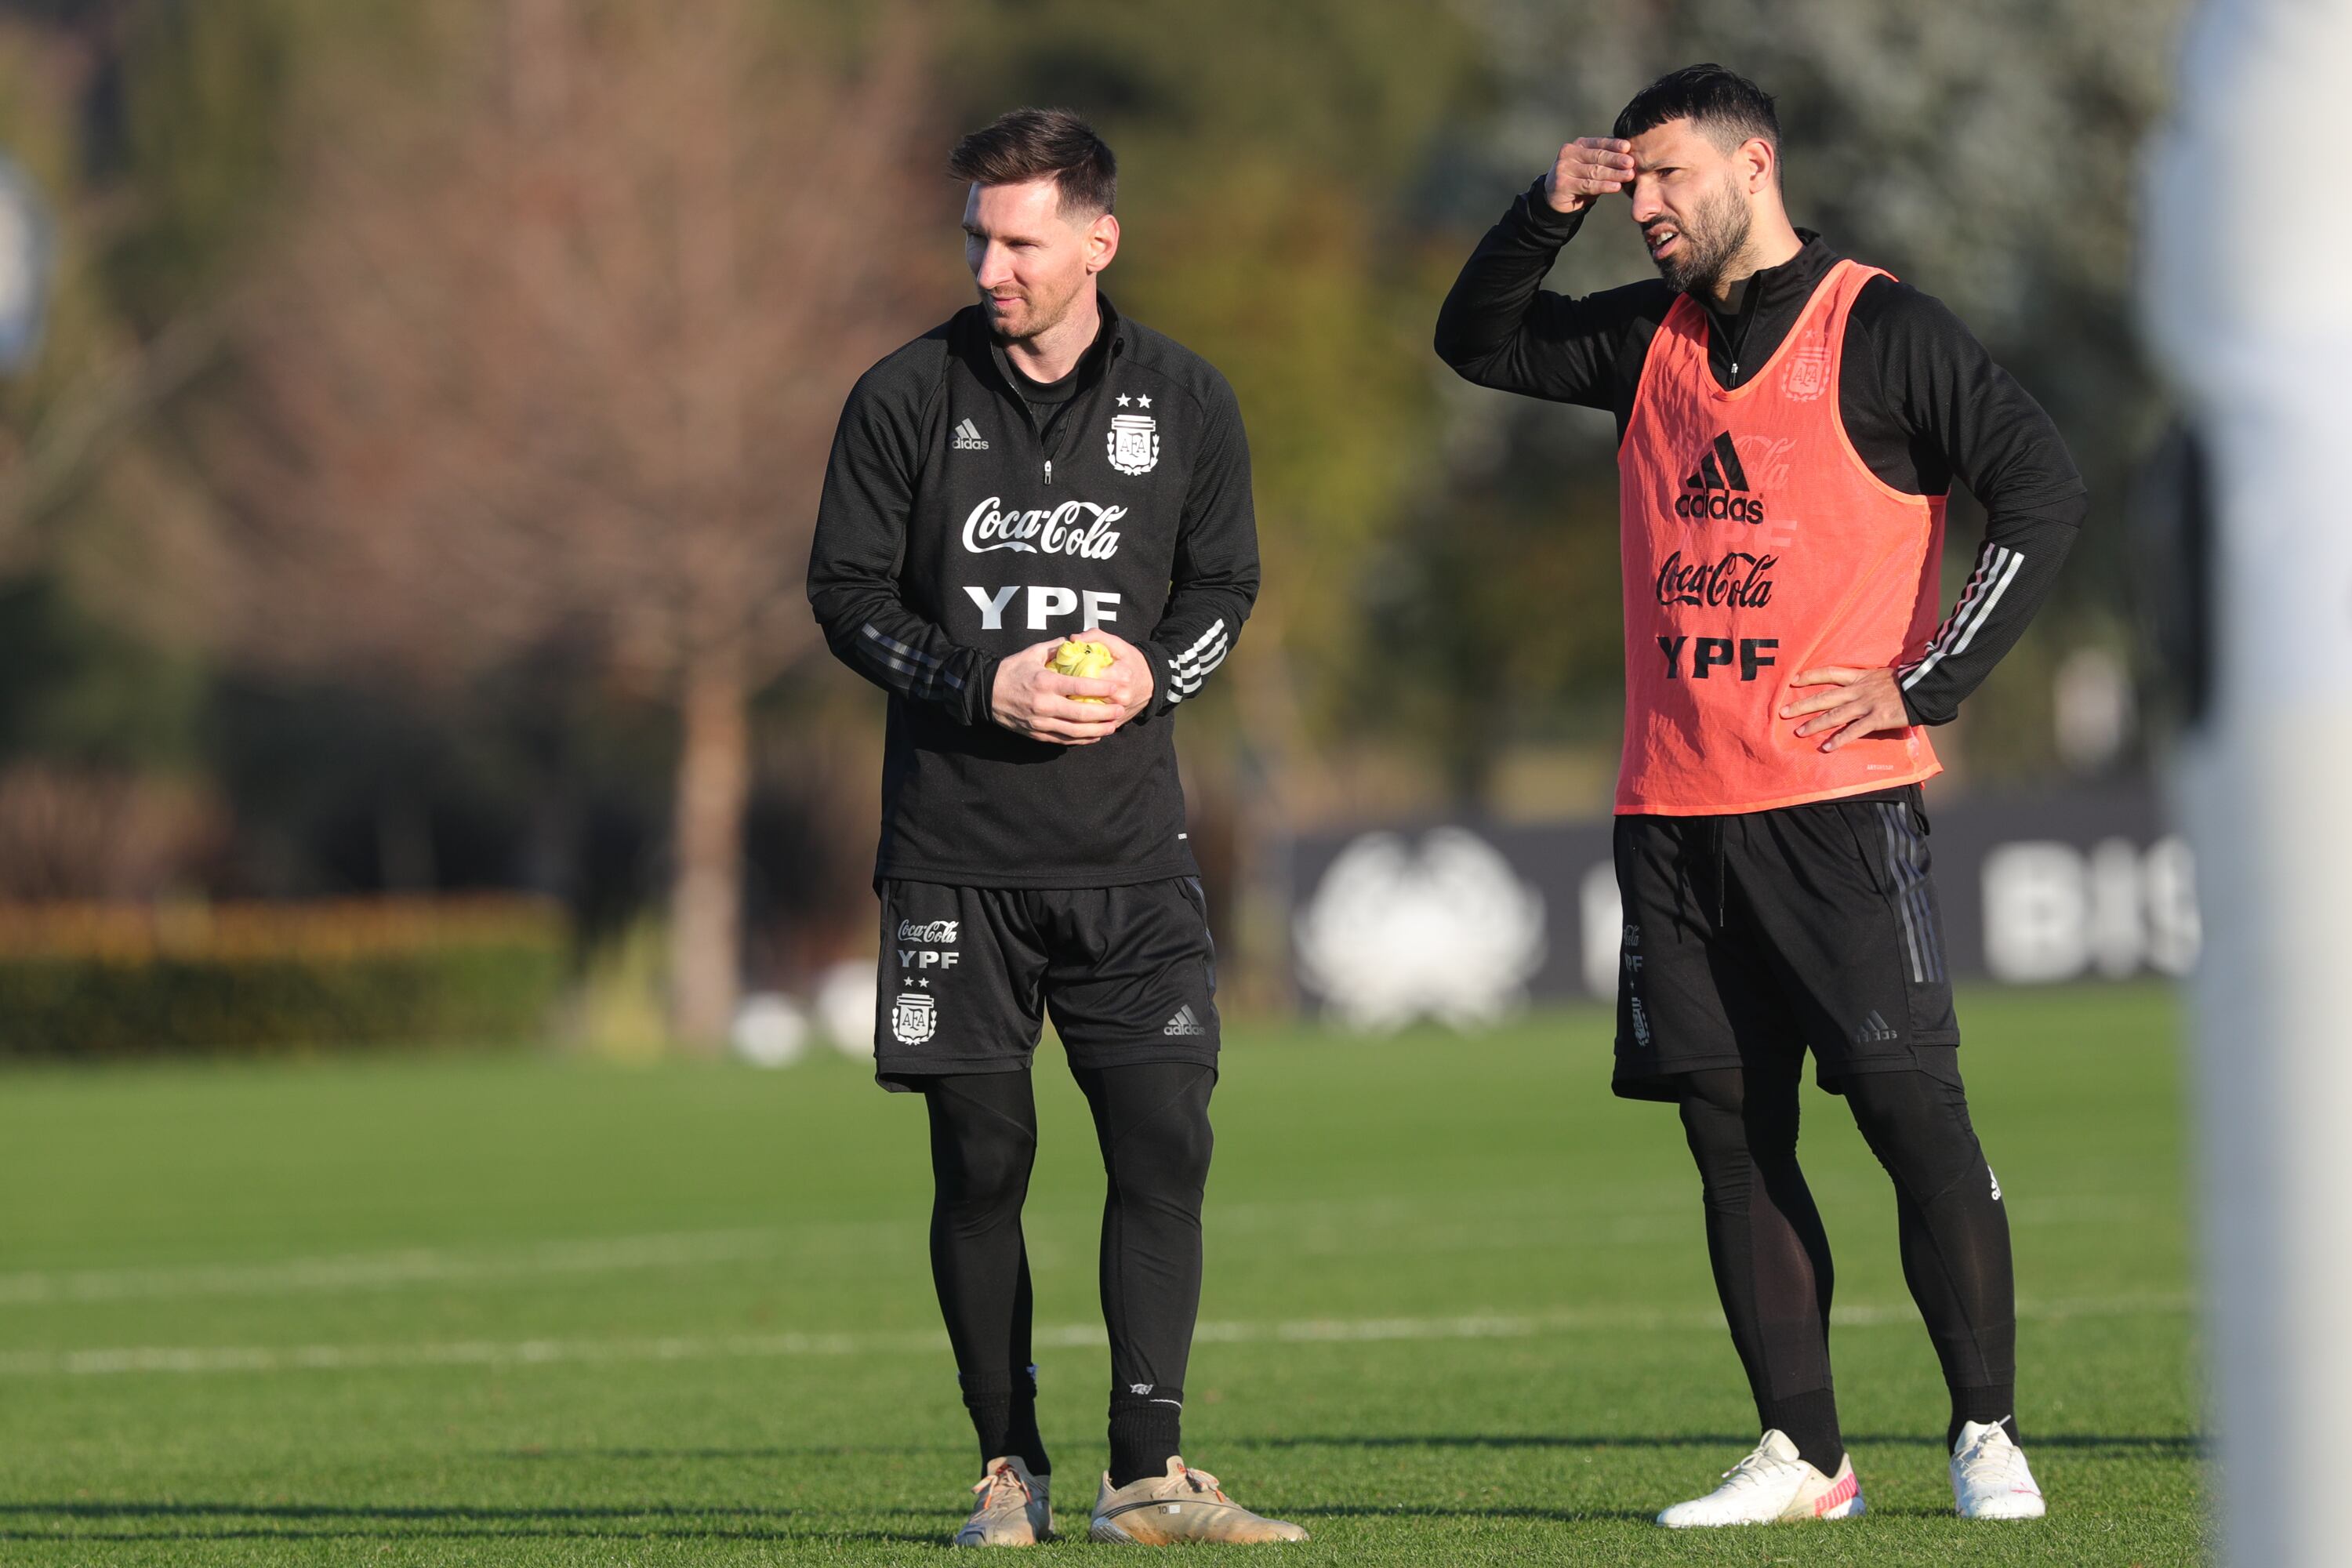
<point x="980" y="345"/>
<point x="1775" y="296"/>
<point x="1772" y="289"/>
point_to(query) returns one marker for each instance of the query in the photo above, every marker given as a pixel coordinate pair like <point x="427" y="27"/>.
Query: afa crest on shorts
<point x="913" y="1019"/>
<point x="1134" y="443"/>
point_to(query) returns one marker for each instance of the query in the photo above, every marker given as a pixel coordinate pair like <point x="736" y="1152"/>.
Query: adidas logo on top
<point x="1185" y="1023"/>
<point x="968" y="438"/>
<point x="1722" y="487"/>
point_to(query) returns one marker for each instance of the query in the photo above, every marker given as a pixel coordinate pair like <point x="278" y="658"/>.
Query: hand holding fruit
<point x="1082" y="660"/>
<point x="1113" y="659"/>
<point x="1031" y="698"/>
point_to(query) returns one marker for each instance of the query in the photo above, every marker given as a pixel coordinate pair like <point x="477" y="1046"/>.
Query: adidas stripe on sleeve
<point x="1945" y="392"/>
<point x="1997" y="568"/>
<point x="2013" y="574"/>
<point x="1217" y="567"/>
<point x="1189" y="669"/>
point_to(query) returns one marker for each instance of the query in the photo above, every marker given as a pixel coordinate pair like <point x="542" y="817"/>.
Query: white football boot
<point x="1769" y="1486"/>
<point x="1012" y="1510"/>
<point x="1990" y="1477"/>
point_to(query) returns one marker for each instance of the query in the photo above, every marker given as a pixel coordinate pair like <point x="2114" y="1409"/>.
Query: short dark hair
<point x="1723" y="104"/>
<point x="1026" y="144"/>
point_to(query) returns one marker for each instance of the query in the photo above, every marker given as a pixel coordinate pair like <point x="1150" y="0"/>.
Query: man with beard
<point x="1041" y="465"/>
<point x="1789" y="423"/>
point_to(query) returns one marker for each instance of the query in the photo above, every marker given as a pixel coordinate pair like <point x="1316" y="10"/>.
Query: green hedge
<point x="276" y="979"/>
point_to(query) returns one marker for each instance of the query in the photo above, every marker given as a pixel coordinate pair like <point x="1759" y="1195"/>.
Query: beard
<point x="1709" y="246"/>
<point x="1038" y="314"/>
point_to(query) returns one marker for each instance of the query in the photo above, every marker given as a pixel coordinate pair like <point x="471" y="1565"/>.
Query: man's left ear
<point x="1102" y="243"/>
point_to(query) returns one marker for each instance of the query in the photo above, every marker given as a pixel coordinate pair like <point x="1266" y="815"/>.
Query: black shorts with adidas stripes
<point x="969" y="975"/>
<point x="1749" y="937"/>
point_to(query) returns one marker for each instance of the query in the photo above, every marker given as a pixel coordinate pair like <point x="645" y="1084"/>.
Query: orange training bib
<point x="1756" y="544"/>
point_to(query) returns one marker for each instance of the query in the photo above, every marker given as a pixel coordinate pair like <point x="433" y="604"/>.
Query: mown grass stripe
<point x="219" y="1359"/>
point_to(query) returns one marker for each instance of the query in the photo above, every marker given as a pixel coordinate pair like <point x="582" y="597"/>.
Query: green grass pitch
<point x="515" y="1310"/>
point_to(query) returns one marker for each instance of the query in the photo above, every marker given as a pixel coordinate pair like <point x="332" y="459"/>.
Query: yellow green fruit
<point x="1084" y="660"/>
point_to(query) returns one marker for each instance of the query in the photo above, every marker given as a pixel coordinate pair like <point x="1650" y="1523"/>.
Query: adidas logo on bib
<point x="1722" y="486"/>
<point x="1185" y="1023"/>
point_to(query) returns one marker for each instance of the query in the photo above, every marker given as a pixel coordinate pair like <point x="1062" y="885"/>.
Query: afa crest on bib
<point x="1134" y="443"/>
<point x="913" y="1019"/>
<point x="1809" y="372"/>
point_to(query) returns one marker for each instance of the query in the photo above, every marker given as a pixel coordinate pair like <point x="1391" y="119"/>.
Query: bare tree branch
<point x="570" y="357"/>
<point x="91" y="418"/>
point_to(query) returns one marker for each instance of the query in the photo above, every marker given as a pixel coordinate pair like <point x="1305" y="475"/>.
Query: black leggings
<point x="1771" y="1257"/>
<point x="1151" y="1120"/>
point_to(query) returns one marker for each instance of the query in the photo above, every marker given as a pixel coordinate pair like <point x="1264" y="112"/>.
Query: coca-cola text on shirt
<point x="1073" y="528"/>
<point x="1736" y="580"/>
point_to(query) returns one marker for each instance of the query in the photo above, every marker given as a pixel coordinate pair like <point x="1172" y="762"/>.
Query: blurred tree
<point x="551" y="347"/>
<point x="101" y="788"/>
<point x="147" y="129"/>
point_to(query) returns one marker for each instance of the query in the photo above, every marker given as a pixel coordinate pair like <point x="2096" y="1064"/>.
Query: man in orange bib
<point x="1790" y="424"/>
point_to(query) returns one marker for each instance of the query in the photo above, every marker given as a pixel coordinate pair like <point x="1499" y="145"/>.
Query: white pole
<point x="2248" y="300"/>
<point x="26" y="246"/>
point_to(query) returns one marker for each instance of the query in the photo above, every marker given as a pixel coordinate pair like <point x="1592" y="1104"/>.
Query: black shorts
<point x="1749" y="936"/>
<point x="969" y="973"/>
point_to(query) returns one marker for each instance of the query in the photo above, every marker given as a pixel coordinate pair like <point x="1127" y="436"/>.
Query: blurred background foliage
<point x="1440" y="627"/>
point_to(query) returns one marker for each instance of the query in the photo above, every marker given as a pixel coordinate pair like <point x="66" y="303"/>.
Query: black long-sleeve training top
<point x="1921" y="399"/>
<point x="968" y="513"/>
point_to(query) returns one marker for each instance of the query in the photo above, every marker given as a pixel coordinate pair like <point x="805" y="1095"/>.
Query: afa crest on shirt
<point x="913" y="1019"/>
<point x="1809" y="372"/>
<point x="1134" y="443"/>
